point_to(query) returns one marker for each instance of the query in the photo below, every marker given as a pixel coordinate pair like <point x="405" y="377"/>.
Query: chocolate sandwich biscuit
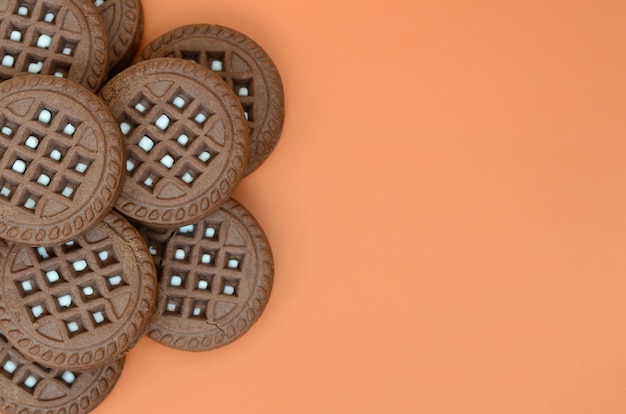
<point x="64" y="38"/>
<point x="123" y="20"/>
<point x="61" y="160"/>
<point x="244" y="66"/>
<point x="82" y="304"/>
<point x="28" y="387"/>
<point x="215" y="279"/>
<point x="186" y="139"/>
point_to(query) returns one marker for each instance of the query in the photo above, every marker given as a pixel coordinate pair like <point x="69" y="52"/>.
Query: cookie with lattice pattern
<point x="123" y="20"/>
<point x="244" y="66"/>
<point x="82" y="304"/>
<point x="27" y="387"/>
<point x="64" y="38"/>
<point x="186" y="139"/>
<point x="215" y="279"/>
<point x="61" y="160"/>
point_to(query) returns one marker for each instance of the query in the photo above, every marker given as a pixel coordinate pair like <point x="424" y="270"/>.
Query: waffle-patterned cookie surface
<point x="215" y="279"/>
<point x="186" y="139"/>
<point x="64" y="38"/>
<point x="27" y="387"/>
<point x="82" y="304"/>
<point x="244" y="66"/>
<point x="61" y="160"/>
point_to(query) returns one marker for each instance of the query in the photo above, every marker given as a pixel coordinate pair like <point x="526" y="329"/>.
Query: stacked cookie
<point x="116" y="216"/>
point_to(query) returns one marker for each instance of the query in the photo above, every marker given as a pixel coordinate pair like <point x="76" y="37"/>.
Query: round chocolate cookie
<point x="123" y="20"/>
<point x="61" y="160"/>
<point x="187" y="141"/>
<point x="27" y="387"/>
<point x="247" y="69"/>
<point x="65" y="38"/>
<point x="215" y="279"/>
<point x="80" y="305"/>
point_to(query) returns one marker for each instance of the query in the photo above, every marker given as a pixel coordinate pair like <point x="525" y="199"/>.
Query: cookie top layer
<point x="80" y="305"/>
<point x="65" y="38"/>
<point x="123" y="20"/>
<point x="244" y="66"/>
<point x="186" y="139"/>
<point x="215" y="278"/>
<point x="61" y="160"/>
<point x="28" y="387"/>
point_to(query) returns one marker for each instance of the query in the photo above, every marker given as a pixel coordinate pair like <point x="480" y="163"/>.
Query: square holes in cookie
<point x="37" y="310"/>
<point x="115" y="282"/>
<point x="173" y="306"/>
<point x="243" y="87"/>
<point x="59" y="69"/>
<point x="127" y="125"/>
<point x="9" y="366"/>
<point x="234" y="261"/>
<point x="89" y="292"/>
<point x="149" y="179"/>
<point x="203" y="282"/>
<point x="52" y="277"/>
<point x="190" y="55"/>
<point x="74" y="326"/>
<point x="43" y="176"/>
<point x="180" y="100"/>
<point x="7" y="189"/>
<point x="29" y="201"/>
<point x="211" y="231"/>
<point x="201" y="116"/>
<point x="48" y="13"/>
<point x="27" y="287"/>
<point x="24" y="8"/>
<point x="29" y="383"/>
<point x="142" y="105"/>
<point x="99" y="316"/>
<point x="198" y="310"/>
<point x="178" y="278"/>
<point x="80" y="164"/>
<point x="106" y="257"/>
<point x="229" y="287"/>
<point x="66" y="47"/>
<point x="188" y="174"/>
<point x="67" y="188"/>
<point x="65" y="302"/>
<point x="215" y="61"/>
<point x="181" y="253"/>
<point x="8" y="129"/>
<point x="207" y="257"/>
<point x="68" y="126"/>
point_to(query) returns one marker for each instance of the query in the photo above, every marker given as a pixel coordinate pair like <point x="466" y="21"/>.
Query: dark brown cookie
<point x="80" y="305"/>
<point x="123" y="20"/>
<point x="27" y="387"/>
<point x="61" y="160"/>
<point x="215" y="279"/>
<point x="186" y="138"/>
<point x="65" y="38"/>
<point x="247" y="69"/>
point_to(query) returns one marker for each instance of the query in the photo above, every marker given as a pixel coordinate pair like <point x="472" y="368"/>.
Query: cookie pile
<point x="116" y="176"/>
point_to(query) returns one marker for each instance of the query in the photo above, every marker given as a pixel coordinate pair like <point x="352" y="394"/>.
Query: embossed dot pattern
<point x="215" y="278"/>
<point x="28" y="385"/>
<point x="49" y="37"/>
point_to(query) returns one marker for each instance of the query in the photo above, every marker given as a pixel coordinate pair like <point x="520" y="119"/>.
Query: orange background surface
<point x="446" y="207"/>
